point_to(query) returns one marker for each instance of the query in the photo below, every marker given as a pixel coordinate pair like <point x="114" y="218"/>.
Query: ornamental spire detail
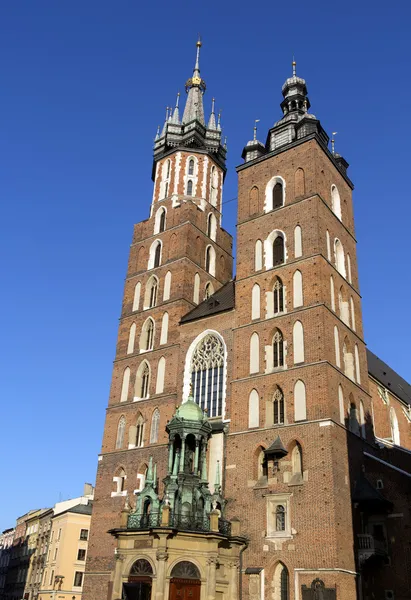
<point x="195" y="88"/>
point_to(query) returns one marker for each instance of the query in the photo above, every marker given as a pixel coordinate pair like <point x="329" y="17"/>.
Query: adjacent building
<point x="6" y="542"/>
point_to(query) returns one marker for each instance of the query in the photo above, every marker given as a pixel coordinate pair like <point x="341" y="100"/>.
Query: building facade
<point x="6" y="543"/>
<point x="309" y="432"/>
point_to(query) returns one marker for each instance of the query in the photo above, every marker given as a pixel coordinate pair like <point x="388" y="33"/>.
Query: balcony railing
<point x="177" y="521"/>
<point x="369" y="546"/>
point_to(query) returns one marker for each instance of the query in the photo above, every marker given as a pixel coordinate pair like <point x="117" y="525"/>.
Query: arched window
<point x="196" y="290"/>
<point x="297" y="462"/>
<point x="278" y="350"/>
<point x="262" y="470"/>
<point x="131" y="339"/>
<point x="339" y="257"/>
<point x="278" y="407"/>
<point x="328" y="242"/>
<point x="147" y="335"/>
<point x="357" y="364"/>
<point x="141" y="568"/>
<point x="189" y="187"/>
<point x="150" y="298"/>
<point x="157" y="255"/>
<point x="125" y="385"/>
<point x="362" y="419"/>
<point x="136" y="299"/>
<point x="348" y="359"/>
<point x="165" y="178"/>
<point x="140" y="432"/>
<point x="298" y="289"/>
<point x="349" y="268"/>
<point x="278" y="250"/>
<point x="299" y="183"/>
<point x="255" y="302"/>
<point x="278" y="195"/>
<point x="161" y="371"/>
<point x="253" y="409"/>
<point x="341" y="404"/>
<point x="298" y="246"/>
<point x="120" y="432"/>
<point x="214" y="186"/>
<point x="207" y="374"/>
<point x="258" y="256"/>
<point x="119" y="483"/>
<point x="167" y="286"/>
<point x="253" y="201"/>
<point x="164" y="329"/>
<point x="337" y="346"/>
<point x="336" y="201"/>
<point x="395" y="430"/>
<point x="353" y="424"/>
<point x="160" y="220"/>
<point x="209" y="290"/>
<point x="278" y="296"/>
<point x="155" y="423"/>
<point x="298" y="342"/>
<point x="280" y="583"/>
<point x="352" y="313"/>
<point x="185" y="570"/>
<point x="280" y="517"/>
<point x="332" y="293"/>
<point x="143" y="380"/>
<point x="191" y="166"/>
<point x="300" y="404"/>
<point x="210" y="260"/>
<point x="254" y="353"/>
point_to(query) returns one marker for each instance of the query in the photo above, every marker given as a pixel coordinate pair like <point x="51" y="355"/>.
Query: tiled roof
<point x="388" y="378"/>
<point x="221" y="301"/>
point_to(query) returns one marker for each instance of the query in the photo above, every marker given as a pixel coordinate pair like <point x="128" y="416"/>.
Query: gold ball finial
<point x="199" y="42"/>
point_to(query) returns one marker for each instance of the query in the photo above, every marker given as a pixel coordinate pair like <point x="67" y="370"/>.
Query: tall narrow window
<point x="131" y="339"/>
<point x="162" y="223"/>
<point x="357" y="364"/>
<point x="349" y="268"/>
<point x="353" y="423"/>
<point x="339" y="257"/>
<point x="341" y="404"/>
<point x="161" y="371"/>
<point x="278" y="195"/>
<point x="254" y="353"/>
<point x="143" y="380"/>
<point x="335" y="201"/>
<point x="191" y="166"/>
<point x="280" y="583"/>
<point x="395" y="430"/>
<point x="253" y="409"/>
<point x="150" y="299"/>
<point x="300" y="404"/>
<point x="278" y="296"/>
<point x="337" y="347"/>
<point x="125" y="385"/>
<point x="328" y="242"/>
<point x="298" y="246"/>
<point x="298" y="289"/>
<point x="362" y="419"/>
<point x="210" y="260"/>
<point x="155" y="422"/>
<point x="147" y="335"/>
<point x="209" y="290"/>
<point x="280" y="517"/>
<point x="332" y="293"/>
<point x="157" y="255"/>
<point x="196" y="290"/>
<point x="189" y="187"/>
<point x="211" y="226"/>
<point x="167" y="286"/>
<point x="352" y="313"/>
<point x="207" y="374"/>
<point x="278" y="407"/>
<point x="120" y="432"/>
<point x="136" y="299"/>
<point x="255" y="302"/>
<point x="298" y="342"/>
<point x="278" y="350"/>
<point x="284" y="584"/>
<point x="140" y="432"/>
<point x="214" y="186"/>
<point x="258" y="256"/>
<point x="164" y="329"/>
<point x="278" y="250"/>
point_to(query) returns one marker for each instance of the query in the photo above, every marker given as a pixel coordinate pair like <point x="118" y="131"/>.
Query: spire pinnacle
<point x="294" y="65"/>
<point x="211" y="122"/>
<point x="255" y="129"/>
<point x="197" y="65"/>
<point x="176" y="115"/>
<point x="158" y="132"/>
<point x="195" y="88"/>
<point x="333" y="142"/>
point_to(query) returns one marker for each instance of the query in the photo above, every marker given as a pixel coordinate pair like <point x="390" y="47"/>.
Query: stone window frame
<point x="274" y="500"/>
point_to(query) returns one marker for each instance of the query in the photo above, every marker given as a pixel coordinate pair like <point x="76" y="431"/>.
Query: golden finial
<point x="199" y="42"/>
<point x="294" y="65"/>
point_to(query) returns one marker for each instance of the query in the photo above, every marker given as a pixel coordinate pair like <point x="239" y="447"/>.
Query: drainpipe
<point x="240" y="574"/>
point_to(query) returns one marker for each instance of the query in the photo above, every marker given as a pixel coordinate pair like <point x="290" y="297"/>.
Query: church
<point x="254" y="448"/>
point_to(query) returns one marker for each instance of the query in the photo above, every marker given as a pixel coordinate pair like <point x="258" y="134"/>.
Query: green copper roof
<point x="190" y="411"/>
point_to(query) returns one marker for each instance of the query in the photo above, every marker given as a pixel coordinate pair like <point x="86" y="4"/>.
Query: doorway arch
<point x="140" y="581"/>
<point x="185" y="581"/>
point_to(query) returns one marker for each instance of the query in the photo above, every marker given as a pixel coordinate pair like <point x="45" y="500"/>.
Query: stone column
<point x="196" y="457"/>
<point x="183" y="448"/>
<point x="233" y="589"/>
<point x="170" y="457"/>
<point x="118" y="573"/>
<point x="162" y="557"/>
<point x="211" y="579"/>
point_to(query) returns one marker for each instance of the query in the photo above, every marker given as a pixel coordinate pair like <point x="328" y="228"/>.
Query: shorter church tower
<point x="171" y="547"/>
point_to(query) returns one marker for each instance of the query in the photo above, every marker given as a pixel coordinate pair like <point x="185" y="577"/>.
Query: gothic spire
<point x="176" y="114"/>
<point x="211" y="121"/>
<point x="195" y="88"/>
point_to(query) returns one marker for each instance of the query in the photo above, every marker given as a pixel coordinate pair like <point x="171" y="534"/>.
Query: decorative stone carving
<point x="318" y="591"/>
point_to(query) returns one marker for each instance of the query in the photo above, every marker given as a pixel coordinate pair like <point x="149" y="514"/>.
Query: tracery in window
<point x="120" y="432"/>
<point x="207" y="374"/>
<point x="150" y="299"/>
<point x="147" y="335"/>
<point x="278" y="407"/>
<point x="143" y="380"/>
<point x="140" y="431"/>
<point x="278" y="350"/>
<point x="189" y="187"/>
<point x="280" y="517"/>
<point x="278" y="296"/>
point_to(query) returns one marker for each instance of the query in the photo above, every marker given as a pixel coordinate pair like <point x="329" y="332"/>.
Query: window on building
<point x="155" y="422"/>
<point x="214" y="186"/>
<point x="278" y="296"/>
<point x="151" y="293"/>
<point x="51" y="578"/>
<point x="140" y="432"/>
<point x="278" y="350"/>
<point x="278" y="195"/>
<point x="191" y="166"/>
<point x="210" y="260"/>
<point x="209" y="290"/>
<point x="278" y="250"/>
<point x="207" y="374"/>
<point x="143" y="380"/>
<point x="81" y="554"/>
<point x="78" y="579"/>
<point x="147" y="335"/>
<point x="353" y="423"/>
<point x="162" y="223"/>
<point x="84" y="534"/>
<point x="278" y="407"/>
<point x="120" y="432"/>
<point x="157" y="255"/>
<point x="336" y="201"/>
<point x="280" y="517"/>
<point x="189" y="187"/>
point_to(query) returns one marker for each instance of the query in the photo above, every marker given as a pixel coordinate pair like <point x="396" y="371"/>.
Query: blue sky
<point x="84" y="85"/>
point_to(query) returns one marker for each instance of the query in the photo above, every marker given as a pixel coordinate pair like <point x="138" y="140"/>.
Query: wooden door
<point x="184" y="589"/>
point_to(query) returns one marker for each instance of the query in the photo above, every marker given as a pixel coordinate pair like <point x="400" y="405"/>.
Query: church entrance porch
<point x="138" y="590"/>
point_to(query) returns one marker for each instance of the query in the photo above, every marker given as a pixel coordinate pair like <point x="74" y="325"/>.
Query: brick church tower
<point x="240" y="458"/>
